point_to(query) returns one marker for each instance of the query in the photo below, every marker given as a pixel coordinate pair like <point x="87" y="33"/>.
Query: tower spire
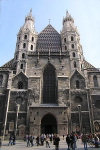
<point x="30" y="13"/>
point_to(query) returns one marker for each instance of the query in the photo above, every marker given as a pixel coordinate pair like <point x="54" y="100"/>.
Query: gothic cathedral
<point x="49" y="87"/>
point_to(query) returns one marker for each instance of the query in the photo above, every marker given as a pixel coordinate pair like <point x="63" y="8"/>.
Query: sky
<point x="86" y="14"/>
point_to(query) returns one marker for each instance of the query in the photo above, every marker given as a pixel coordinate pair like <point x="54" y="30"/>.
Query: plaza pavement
<point x="21" y="145"/>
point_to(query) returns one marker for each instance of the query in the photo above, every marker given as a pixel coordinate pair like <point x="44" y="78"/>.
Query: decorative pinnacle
<point x="30" y="13"/>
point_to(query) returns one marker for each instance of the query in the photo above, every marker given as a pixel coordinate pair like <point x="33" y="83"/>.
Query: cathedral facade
<point x="49" y="87"/>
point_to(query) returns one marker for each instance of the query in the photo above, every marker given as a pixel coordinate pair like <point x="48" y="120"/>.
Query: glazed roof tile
<point x="8" y="64"/>
<point x="49" y="39"/>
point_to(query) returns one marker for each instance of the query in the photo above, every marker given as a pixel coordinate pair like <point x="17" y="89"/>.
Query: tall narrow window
<point x="75" y="64"/>
<point x="95" y="81"/>
<point x="65" y="47"/>
<point x="24" y="45"/>
<point x="20" y="85"/>
<point x="23" y="55"/>
<point x="1" y="80"/>
<point x="31" y="47"/>
<point x="77" y="84"/>
<point x="25" y="36"/>
<point x="64" y="40"/>
<point x="32" y="38"/>
<point x="73" y="54"/>
<point x="21" y="67"/>
<point x="49" y="85"/>
<point x="72" y="38"/>
<point x="72" y="45"/>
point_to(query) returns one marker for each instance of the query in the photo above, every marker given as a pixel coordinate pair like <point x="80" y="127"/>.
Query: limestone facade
<point x="48" y="86"/>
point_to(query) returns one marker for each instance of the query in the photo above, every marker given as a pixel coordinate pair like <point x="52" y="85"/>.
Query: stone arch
<point x="48" y="124"/>
<point x="50" y="86"/>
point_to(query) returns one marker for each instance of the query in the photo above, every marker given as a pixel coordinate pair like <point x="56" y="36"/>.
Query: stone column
<point x="6" y="115"/>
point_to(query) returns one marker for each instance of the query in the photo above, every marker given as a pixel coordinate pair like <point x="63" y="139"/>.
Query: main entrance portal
<point x="48" y="124"/>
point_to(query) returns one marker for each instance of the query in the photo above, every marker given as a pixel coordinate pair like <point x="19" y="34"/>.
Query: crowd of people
<point x="54" y="139"/>
<point x="71" y="140"/>
<point x="40" y="140"/>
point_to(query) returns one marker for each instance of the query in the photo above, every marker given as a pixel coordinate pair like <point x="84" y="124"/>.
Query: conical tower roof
<point x="49" y="39"/>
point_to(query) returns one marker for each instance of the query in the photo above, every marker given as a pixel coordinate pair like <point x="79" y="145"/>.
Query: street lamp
<point x="80" y="117"/>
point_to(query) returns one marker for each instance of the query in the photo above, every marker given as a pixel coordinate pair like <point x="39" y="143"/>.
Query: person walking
<point x="31" y="140"/>
<point x="56" y="142"/>
<point x="47" y="142"/>
<point x="37" y="141"/>
<point x="72" y="141"/>
<point x="68" y="141"/>
<point x="28" y="140"/>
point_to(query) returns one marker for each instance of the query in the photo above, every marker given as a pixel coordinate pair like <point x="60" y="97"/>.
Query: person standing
<point x="68" y="141"/>
<point x="84" y="140"/>
<point x="28" y="140"/>
<point x="56" y="142"/>
<point x="0" y="143"/>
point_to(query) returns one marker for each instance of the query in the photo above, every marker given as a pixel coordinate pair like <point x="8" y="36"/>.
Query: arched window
<point x="77" y="84"/>
<point x="72" y="38"/>
<point x="23" y="55"/>
<point x="72" y="45"/>
<point x="18" y="46"/>
<point x="74" y="64"/>
<point x="49" y="85"/>
<point x="21" y="66"/>
<point x="64" y="40"/>
<point x="32" y="38"/>
<point x="73" y="54"/>
<point x="31" y="47"/>
<point x="65" y="47"/>
<point x="1" y="80"/>
<point x="25" y="36"/>
<point x="95" y="81"/>
<point x="20" y="85"/>
<point x="24" y="45"/>
<point x="19" y="38"/>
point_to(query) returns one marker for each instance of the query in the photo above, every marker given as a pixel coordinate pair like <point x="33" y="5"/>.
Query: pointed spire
<point x="67" y="14"/>
<point x="68" y="18"/>
<point x="29" y="16"/>
<point x="30" y="13"/>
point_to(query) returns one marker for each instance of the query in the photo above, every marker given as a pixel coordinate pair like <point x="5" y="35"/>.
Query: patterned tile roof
<point x="8" y="64"/>
<point x="49" y="39"/>
<point x="87" y="65"/>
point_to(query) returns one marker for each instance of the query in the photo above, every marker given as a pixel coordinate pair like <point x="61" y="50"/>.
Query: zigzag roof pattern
<point x="9" y="64"/>
<point x="49" y="39"/>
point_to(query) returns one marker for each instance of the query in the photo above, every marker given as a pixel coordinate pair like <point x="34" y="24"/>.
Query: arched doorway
<point x="48" y="124"/>
<point x="49" y="85"/>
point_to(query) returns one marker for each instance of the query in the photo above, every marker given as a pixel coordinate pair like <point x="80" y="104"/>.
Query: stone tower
<point x="71" y="43"/>
<point x="26" y="41"/>
<point x="48" y="87"/>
